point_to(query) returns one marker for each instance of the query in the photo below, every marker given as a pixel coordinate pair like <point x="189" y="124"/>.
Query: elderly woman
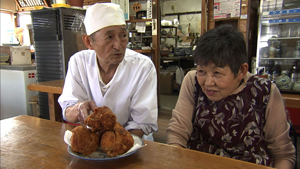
<point x="224" y="110"/>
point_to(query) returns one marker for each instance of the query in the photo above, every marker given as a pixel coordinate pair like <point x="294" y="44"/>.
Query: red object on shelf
<point x="294" y="114"/>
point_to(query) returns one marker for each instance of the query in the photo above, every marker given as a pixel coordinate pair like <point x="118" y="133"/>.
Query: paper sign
<point x="124" y="4"/>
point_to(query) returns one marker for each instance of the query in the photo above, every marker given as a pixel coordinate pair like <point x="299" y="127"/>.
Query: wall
<point x="143" y="4"/>
<point x="8" y="5"/>
<point x="7" y="8"/>
<point x="24" y="22"/>
<point x="181" y="6"/>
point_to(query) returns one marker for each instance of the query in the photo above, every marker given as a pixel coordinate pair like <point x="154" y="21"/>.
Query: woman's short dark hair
<point x="222" y="46"/>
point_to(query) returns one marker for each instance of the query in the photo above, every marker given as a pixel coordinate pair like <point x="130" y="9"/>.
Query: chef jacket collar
<point x="102" y="84"/>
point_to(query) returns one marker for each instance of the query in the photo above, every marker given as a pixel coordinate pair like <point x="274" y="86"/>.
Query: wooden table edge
<point x="55" y="87"/>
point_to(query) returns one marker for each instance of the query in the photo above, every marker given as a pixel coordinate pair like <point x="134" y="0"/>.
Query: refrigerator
<point x="278" y="49"/>
<point x="278" y="46"/>
<point x="15" y="97"/>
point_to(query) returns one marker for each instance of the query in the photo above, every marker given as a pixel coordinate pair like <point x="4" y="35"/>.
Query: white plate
<point x="100" y="155"/>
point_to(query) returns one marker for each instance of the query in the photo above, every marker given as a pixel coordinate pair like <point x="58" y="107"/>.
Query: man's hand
<point x="137" y="132"/>
<point x="80" y="111"/>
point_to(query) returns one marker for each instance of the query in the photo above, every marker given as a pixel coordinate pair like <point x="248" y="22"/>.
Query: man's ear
<point x="87" y="41"/>
<point x="243" y="70"/>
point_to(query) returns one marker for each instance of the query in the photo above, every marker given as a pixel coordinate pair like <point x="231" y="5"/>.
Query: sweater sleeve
<point x="180" y="126"/>
<point x="277" y="130"/>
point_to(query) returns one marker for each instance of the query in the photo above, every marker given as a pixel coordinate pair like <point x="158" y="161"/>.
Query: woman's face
<point x="217" y="82"/>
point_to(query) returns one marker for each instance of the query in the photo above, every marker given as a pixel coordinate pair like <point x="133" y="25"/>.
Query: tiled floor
<point x="167" y="103"/>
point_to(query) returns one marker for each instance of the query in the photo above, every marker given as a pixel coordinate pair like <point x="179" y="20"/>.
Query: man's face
<point x="110" y="44"/>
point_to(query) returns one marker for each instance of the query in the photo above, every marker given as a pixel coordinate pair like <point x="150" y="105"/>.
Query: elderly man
<point x="110" y="75"/>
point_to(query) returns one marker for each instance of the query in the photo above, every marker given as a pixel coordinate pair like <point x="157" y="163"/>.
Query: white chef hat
<point x="101" y="15"/>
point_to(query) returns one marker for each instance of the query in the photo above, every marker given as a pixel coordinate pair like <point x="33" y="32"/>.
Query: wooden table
<point x="31" y="142"/>
<point x="54" y="90"/>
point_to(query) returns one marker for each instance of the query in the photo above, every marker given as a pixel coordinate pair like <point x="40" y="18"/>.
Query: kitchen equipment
<point x="15" y="97"/>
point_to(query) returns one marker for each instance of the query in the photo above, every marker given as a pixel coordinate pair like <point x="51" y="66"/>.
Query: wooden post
<point x="204" y="15"/>
<point x="156" y="40"/>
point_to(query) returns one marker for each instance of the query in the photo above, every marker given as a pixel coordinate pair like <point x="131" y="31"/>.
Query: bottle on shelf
<point x="278" y="49"/>
<point x="296" y="53"/>
<point x="298" y="71"/>
<point x="253" y="65"/>
<point x="276" y="72"/>
<point x="295" y="72"/>
<point x="272" y="50"/>
<point x="269" y="67"/>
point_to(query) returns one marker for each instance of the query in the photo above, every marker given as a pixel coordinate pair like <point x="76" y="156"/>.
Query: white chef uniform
<point x="131" y="94"/>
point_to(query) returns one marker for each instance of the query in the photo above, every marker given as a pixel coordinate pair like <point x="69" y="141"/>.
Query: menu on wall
<point x="227" y="8"/>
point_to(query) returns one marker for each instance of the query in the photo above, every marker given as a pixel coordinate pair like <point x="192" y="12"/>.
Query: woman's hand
<point x="80" y="111"/>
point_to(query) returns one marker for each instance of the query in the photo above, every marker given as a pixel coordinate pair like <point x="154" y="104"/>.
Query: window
<point x="7" y="28"/>
<point x="25" y="23"/>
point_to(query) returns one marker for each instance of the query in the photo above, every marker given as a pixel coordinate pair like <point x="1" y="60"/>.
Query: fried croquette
<point x="101" y="120"/>
<point x="84" y="141"/>
<point x="116" y="142"/>
<point x="105" y="132"/>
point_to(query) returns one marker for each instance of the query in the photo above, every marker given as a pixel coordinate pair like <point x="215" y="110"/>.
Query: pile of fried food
<point x="104" y="131"/>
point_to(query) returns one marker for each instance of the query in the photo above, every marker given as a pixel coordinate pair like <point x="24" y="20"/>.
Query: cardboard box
<point x="166" y="82"/>
<point x="20" y="55"/>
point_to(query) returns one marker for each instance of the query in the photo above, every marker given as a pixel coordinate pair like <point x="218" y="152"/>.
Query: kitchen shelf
<point x="139" y="20"/>
<point x="168" y="26"/>
<point x="231" y="18"/>
<point x="176" y="58"/>
<point x="286" y="20"/>
<point x="281" y="12"/>
<point x="140" y="39"/>
<point x="144" y="51"/>
<point x="174" y="35"/>
<point x="167" y="37"/>
<point x="185" y="62"/>
<point x="280" y="58"/>
<point x="284" y="38"/>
